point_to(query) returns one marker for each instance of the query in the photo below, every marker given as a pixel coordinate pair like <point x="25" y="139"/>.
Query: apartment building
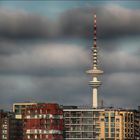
<point x="10" y="128"/>
<point x="99" y="124"/>
<point x="43" y="121"/>
<point x="20" y="107"/>
<point x="118" y="124"/>
<point x="81" y="123"/>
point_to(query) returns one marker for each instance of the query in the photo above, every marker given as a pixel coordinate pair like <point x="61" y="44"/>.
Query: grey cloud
<point x="112" y="21"/>
<point x="45" y="58"/>
<point x="23" y="25"/>
<point x="120" y="61"/>
<point x="9" y="47"/>
<point x="43" y="89"/>
<point x="63" y="67"/>
<point x="118" y="89"/>
<point x="121" y="89"/>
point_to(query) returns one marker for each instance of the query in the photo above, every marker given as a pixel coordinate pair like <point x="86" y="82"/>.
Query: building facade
<point x="99" y="124"/>
<point x="18" y="108"/>
<point x="10" y="128"/>
<point x="43" y="121"/>
<point x="118" y="124"/>
<point x="137" y="124"/>
<point x="82" y="123"/>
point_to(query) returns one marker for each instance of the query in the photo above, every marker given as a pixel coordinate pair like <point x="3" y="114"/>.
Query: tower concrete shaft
<point x="95" y="71"/>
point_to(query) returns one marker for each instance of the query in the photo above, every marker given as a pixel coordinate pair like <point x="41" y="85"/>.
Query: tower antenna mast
<point x="95" y="71"/>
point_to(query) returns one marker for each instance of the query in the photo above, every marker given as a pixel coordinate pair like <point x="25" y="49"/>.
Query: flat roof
<point x="84" y="109"/>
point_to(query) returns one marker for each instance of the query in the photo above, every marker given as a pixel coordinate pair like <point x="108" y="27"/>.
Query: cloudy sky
<point x="45" y="49"/>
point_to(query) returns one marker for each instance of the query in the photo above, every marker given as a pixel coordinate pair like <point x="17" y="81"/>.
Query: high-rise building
<point x="43" y="121"/>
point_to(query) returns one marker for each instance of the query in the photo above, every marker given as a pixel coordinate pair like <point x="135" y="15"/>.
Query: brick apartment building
<point x="43" y="121"/>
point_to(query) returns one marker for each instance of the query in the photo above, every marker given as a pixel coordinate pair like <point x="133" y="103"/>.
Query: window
<point x="117" y="120"/>
<point x="28" y="136"/>
<point x="112" y="114"/>
<point x="4" y="131"/>
<point x="97" y="129"/>
<point x="106" y="114"/>
<point x="28" y="111"/>
<point x="125" y="118"/>
<point x="106" y="124"/>
<point x="102" y="119"/>
<point x="112" y="119"/>
<point x="112" y="124"/>
<point x="106" y="135"/>
<point x="112" y="129"/>
<point x="97" y="114"/>
<point x="112" y="134"/>
<point x="106" y="129"/>
<point x="4" y="136"/>
<point x="106" y="119"/>
<point x="41" y="111"/>
<point x="35" y="136"/>
<point x="117" y="135"/>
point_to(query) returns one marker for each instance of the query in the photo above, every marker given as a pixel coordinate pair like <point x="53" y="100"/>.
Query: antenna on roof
<point x="95" y="31"/>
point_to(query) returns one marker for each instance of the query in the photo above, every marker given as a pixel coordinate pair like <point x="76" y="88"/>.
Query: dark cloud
<point x="46" y="89"/>
<point x="112" y="21"/>
<point x="18" y="24"/>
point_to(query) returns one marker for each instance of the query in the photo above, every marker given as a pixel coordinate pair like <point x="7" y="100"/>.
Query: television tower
<point x="95" y="71"/>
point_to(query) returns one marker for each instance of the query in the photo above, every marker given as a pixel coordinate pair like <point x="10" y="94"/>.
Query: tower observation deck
<point x="95" y="71"/>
